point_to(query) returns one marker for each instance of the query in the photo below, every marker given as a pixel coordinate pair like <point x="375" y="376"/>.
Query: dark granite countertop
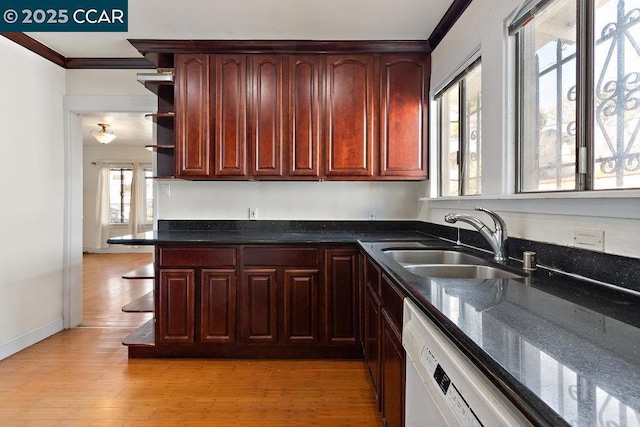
<point x="564" y="351"/>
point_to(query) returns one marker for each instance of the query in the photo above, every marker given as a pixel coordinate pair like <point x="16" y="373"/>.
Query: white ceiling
<point x="256" y="20"/>
<point x="131" y="129"/>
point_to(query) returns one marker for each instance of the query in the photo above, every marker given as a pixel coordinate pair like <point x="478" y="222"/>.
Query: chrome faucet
<point x="497" y="239"/>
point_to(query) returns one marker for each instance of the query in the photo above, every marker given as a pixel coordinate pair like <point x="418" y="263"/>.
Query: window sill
<point x="607" y="204"/>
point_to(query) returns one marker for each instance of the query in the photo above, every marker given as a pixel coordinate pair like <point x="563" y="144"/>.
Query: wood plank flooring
<point x="82" y="377"/>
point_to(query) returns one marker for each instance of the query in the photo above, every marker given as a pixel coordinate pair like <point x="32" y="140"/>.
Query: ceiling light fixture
<point x="102" y="135"/>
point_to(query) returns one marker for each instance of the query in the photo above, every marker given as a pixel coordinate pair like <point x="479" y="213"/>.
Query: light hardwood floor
<point x="82" y="377"/>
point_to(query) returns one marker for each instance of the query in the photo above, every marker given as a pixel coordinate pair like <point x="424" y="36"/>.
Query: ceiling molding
<point x="77" y="63"/>
<point x="160" y="52"/>
<point x="450" y="17"/>
<point x="108" y="63"/>
<point x="36" y="47"/>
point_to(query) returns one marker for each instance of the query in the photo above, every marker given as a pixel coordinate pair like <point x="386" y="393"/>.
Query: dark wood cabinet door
<point x="300" y="309"/>
<point x="341" y="296"/>
<point x="350" y="115"/>
<point x="229" y="114"/>
<point x="404" y="115"/>
<point x="393" y="372"/>
<point x="259" y="306"/>
<point x="193" y="148"/>
<point x="267" y="115"/>
<point x="372" y="337"/>
<point x="305" y="125"/>
<point x="176" y="306"/>
<point x="218" y="306"/>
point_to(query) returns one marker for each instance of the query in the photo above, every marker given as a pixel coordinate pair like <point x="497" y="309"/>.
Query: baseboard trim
<point x="23" y="341"/>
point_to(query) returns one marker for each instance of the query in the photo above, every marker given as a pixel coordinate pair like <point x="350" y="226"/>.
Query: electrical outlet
<point x="253" y="213"/>
<point x="589" y="239"/>
<point x="371" y="215"/>
<point x="165" y="190"/>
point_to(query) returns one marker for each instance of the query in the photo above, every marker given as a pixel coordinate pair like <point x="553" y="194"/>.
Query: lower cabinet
<point x="176" y="306"/>
<point x="251" y="301"/>
<point x="218" y="306"/>
<point x="383" y="351"/>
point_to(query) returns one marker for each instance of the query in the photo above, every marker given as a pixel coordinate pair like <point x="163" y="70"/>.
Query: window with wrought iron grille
<point x="578" y="95"/>
<point x="120" y="183"/>
<point x="459" y="109"/>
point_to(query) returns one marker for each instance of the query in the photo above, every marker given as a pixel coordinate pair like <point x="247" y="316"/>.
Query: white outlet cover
<point x="589" y="239"/>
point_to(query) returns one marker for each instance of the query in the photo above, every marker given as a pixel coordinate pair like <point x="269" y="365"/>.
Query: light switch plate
<point x="165" y="190"/>
<point x="589" y="239"/>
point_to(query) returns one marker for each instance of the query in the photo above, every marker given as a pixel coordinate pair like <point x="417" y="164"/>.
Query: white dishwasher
<point x="443" y="387"/>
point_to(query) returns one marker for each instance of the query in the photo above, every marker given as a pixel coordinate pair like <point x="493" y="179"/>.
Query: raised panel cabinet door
<point x="300" y="306"/>
<point x="350" y="115"/>
<point x="393" y="373"/>
<point x="229" y="114"/>
<point x="305" y="125"/>
<point x="341" y="296"/>
<point x="267" y="115"/>
<point x="218" y="306"/>
<point x="372" y="329"/>
<point x="193" y="149"/>
<point x="259" y="306"/>
<point x="404" y="115"/>
<point x="176" y="306"/>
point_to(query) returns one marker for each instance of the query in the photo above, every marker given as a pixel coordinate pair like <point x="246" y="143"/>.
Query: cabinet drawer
<point x="392" y="300"/>
<point x="197" y="257"/>
<point x="274" y="257"/>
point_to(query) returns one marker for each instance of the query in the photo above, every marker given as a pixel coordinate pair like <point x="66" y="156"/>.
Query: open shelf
<point x="160" y="147"/>
<point x="144" y="304"/>
<point x="144" y="272"/>
<point x="144" y="336"/>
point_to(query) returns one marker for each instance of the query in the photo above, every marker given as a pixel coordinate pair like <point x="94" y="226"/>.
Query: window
<point x="120" y="183"/>
<point x="579" y="95"/>
<point x="460" y="107"/>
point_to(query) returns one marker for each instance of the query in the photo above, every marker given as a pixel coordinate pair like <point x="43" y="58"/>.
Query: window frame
<point x="146" y="169"/>
<point x="585" y="148"/>
<point x="459" y="80"/>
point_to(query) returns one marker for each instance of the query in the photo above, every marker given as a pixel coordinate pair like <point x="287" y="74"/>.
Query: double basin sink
<point x="446" y="263"/>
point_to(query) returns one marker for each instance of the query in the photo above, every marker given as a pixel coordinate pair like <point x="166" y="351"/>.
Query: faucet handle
<point x="497" y="220"/>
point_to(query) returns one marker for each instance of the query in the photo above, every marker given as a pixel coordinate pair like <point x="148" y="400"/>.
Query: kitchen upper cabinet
<point x="350" y="115"/>
<point x="304" y="113"/>
<point x="176" y="300"/>
<point x="403" y="115"/>
<point x="228" y="122"/>
<point x="267" y="115"/>
<point x="193" y="149"/>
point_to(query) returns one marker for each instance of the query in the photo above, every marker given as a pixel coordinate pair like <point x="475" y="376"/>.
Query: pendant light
<point x="102" y="135"/>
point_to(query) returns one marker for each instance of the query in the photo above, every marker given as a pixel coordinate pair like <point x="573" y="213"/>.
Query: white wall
<point x="97" y="153"/>
<point x="548" y="218"/>
<point x="32" y="218"/>
<point x="290" y="200"/>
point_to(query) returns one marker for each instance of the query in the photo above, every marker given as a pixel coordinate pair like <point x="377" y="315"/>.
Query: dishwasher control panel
<point x="459" y="406"/>
<point x="444" y="384"/>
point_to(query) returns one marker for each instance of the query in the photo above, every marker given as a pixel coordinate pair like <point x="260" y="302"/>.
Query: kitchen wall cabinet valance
<point x="301" y="116"/>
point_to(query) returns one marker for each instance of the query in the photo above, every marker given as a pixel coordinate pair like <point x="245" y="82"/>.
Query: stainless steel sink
<point x="409" y="257"/>
<point x="460" y="271"/>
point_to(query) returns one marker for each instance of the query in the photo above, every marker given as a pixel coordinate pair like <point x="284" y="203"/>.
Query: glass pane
<point x="148" y="174"/>
<point x="119" y="195"/>
<point x="472" y="134"/>
<point x="547" y="99"/>
<point x="450" y="141"/>
<point x="617" y="95"/>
